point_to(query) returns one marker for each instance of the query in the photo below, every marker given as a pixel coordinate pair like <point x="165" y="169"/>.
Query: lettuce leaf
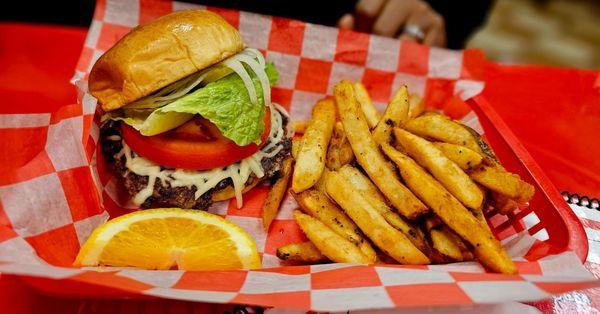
<point x="225" y="102"/>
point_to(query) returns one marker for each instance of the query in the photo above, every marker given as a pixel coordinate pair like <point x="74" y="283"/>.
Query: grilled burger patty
<point x="166" y="196"/>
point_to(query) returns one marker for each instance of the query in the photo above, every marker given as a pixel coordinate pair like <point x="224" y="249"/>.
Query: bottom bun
<point x="229" y="192"/>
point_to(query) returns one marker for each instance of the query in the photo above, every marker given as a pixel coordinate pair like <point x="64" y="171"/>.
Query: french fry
<point x="370" y="158"/>
<point x="446" y="242"/>
<point x="478" y="212"/>
<point x="311" y="156"/>
<point x="484" y="148"/>
<point x="465" y="158"/>
<point x="300" y="126"/>
<point x="320" y="185"/>
<point x="443" y="169"/>
<point x="395" y="115"/>
<point x="440" y="128"/>
<point x="416" y="106"/>
<point x="331" y="244"/>
<point x="339" y="152"/>
<point x="393" y="242"/>
<point x="361" y="184"/>
<point x="276" y="194"/>
<point x="369" y="111"/>
<point x="318" y="205"/>
<point x="502" y="203"/>
<point x="296" y="144"/>
<point x="493" y="176"/>
<point x="452" y="212"/>
<point x="305" y="253"/>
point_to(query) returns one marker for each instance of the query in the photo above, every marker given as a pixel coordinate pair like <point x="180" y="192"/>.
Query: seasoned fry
<point x="371" y="222"/>
<point x="440" y="128"/>
<point x="416" y="106"/>
<point x="305" y="253"/>
<point x="300" y="126"/>
<point x="311" y="156"/>
<point x="484" y="148"/>
<point x="318" y="205"/>
<point x="339" y="152"/>
<point x="452" y="212"/>
<point x="296" y="144"/>
<point x="366" y="105"/>
<point x="478" y="212"/>
<point x="446" y="242"/>
<point x="370" y="158"/>
<point x="320" y="185"/>
<point x="395" y="115"/>
<point x="464" y="157"/>
<point x="276" y="194"/>
<point x="331" y="244"/>
<point x="502" y="203"/>
<point x="493" y="176"/>
<point x="361" y="184"/>
<point x="443" y="169"/>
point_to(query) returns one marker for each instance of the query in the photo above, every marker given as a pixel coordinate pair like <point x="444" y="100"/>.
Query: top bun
<point x="156" y="54"/>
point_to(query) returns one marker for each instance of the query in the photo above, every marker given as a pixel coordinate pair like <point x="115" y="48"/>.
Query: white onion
<point x="252" y="57"/>
<point x="183" y="92"/>
<point x="256" y="54"/>
<point x="262" y="76"/>
<point x="234" y="64"/>
<point x="281" y="109"/>
<point x="275" y="127"/>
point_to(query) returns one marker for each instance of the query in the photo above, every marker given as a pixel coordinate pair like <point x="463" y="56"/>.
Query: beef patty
<point x="164" y="195"/>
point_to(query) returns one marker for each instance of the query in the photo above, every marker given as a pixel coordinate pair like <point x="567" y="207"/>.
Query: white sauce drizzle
<point x="207" y="179"/>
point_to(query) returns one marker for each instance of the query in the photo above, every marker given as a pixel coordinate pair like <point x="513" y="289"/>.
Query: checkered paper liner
<point x="50" y="204"/>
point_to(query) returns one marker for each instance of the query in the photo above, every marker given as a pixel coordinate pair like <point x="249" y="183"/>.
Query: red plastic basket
<point x="556" y="226"/>
<point x="561" y="227"/>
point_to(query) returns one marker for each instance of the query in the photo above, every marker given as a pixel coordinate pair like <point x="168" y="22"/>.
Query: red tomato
<point x="197" y="144"/>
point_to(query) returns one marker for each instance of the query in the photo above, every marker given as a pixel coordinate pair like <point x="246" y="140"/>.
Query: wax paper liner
<point x="61" y="190"/>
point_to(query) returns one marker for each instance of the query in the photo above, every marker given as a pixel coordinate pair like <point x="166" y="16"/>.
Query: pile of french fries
<point x="408" y="186"/>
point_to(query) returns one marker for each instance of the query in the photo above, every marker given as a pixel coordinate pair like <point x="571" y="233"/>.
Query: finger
<point x="423" y="18"/>
<point x="366" y="13"/>
<point x="436" y="36"/>
<point x="346" y="21"/>
<point x="393" y="16"/>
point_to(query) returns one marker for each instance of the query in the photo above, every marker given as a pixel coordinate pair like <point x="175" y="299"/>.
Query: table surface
<point x="37" y="62"/>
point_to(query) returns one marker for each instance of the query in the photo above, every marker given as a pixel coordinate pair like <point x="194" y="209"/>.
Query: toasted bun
<point x="229" y="193"/>
<point x="159" y="53"/>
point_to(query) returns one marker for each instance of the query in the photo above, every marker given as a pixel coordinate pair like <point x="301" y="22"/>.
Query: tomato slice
<point x="197" y="145"/>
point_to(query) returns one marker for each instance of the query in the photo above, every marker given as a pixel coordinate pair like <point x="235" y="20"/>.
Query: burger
<point x="187" y="117"/>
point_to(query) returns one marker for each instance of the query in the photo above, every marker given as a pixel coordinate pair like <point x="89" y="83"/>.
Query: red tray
<point x="564" y="230"/>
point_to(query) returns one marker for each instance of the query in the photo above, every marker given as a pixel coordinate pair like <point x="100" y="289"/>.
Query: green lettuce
<point x="225" y="102"/>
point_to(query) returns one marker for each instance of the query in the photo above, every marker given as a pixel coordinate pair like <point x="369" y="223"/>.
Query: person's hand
<point x="407" y="19"/>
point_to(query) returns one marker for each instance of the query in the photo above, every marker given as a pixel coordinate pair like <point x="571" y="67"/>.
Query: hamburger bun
<point x="154" y="55"/>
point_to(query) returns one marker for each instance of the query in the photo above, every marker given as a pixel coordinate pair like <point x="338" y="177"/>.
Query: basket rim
<point x="577" y="240"/>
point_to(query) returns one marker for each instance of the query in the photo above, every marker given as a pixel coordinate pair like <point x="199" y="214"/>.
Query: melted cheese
<point x="205" y="180"/>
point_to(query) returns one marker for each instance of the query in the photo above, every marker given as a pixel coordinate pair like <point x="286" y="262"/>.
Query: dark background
<point x="462" y="16"/>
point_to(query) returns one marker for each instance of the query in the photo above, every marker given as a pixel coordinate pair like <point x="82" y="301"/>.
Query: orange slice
<point x="170" y="238"/>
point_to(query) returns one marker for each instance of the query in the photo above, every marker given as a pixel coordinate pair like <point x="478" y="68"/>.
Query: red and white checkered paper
<point x="62" y="190"/>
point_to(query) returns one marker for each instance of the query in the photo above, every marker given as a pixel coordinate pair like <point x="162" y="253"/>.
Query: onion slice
<point x="262" y="76"/>
<point x="234" y="64"/>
